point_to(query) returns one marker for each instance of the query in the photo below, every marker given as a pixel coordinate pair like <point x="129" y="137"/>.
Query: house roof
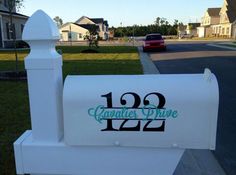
<point x="214" y="11"/>
<point x="14" y="14"/>
<point x="94" y="20"/>
<point x="194" y="25"/>
<point x="78" y="21"/>
<point x="65" y="24"/>
<point x="231" y="10"/>
<point x="105" y="23"/>
<point x="87" y="26"/>
<point x="97" y="20"/>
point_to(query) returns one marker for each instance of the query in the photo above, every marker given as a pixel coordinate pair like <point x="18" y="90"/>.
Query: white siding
<point x="78" y="32"/>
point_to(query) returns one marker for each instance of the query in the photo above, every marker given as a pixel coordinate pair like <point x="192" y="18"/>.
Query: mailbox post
<point x="44" y="70"/>
<point x="93" y="143"/>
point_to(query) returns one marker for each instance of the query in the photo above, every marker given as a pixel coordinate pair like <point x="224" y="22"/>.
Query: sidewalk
<point x="193" y="162"/>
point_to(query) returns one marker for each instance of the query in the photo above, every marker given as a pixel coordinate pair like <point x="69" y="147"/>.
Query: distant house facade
<point x="78" y="30"/>
<point x="211" y="17"/>
<point x="6" y="35"/>
<point x="100" y="22"/>
<point x="226" y="26"/>
<point x="192" y="29"/>
<point x="72" y="32"/>
<point x="219" y="22"/>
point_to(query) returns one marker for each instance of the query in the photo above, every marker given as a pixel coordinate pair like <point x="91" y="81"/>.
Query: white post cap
<point x="40" y="27"/>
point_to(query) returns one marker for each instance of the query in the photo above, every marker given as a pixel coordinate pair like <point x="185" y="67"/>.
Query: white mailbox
<point x="138" y="124"/>
<point x="161" y="111"/>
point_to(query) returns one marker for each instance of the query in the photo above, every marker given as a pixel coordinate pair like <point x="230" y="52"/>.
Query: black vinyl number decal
<point x="162" y="100"/>
<point x="136" y="105"/>
<point x="137" y="100"/>
<point x="109" y="99"/>
<point x="136" y="128"/>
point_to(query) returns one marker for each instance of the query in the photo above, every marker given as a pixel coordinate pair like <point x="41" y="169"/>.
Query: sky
<point x="125" y="12"/>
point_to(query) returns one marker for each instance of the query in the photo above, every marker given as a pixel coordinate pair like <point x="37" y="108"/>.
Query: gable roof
<point x="231" y="10"/>
<point x="105" y="23"/>
<point x="64" y="28"/>
<point x="97" y="20"/>
<point x="214" y="11"/>
<point x="65" y="24"/>
<point x="87" y="26"/>
<point x="194" y="25"/>
<point x="81" y="18"/>
<point x="14" y="14"/>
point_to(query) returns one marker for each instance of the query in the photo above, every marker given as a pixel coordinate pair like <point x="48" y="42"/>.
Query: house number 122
<point x="136" y="105"/>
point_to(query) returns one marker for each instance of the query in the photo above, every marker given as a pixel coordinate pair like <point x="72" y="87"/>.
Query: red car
<point x="154" y="42"/>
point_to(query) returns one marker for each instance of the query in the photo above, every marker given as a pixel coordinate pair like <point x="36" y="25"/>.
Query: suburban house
<point x="192" y="29"/>
<point x="189" y="30"/>
<point x="227" y="24"/>
<point x="219" y="22"/>
<point x="72" y="32"/>
<point x="78" y="30"/>
<point x="211" y="17"/>
<point x="103" y="25"/>
<point x="6" y="35"/>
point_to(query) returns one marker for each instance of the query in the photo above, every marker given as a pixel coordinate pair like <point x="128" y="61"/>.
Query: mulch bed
<point x="89" y="51"/>
<point x="13" y="75"/>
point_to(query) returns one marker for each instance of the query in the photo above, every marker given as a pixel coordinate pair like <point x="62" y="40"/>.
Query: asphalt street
<point x="193" y="57"/>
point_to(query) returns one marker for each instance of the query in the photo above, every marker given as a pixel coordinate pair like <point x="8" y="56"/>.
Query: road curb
<point x="147" y="64"/>
<point x="220" y="46"/>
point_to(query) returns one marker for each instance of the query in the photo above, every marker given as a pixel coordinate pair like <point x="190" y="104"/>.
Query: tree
<point x="58" y="21"/>
<point x="161" y="25"/>
<point x="157" y="21"/>
<point x="162" y="21"/>
<point x="92" y="36"/>
<point x="12" y="5"/>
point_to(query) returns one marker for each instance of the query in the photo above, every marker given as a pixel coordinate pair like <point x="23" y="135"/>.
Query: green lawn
<point x="74" y="53"/>
<point x="14" y="105"/>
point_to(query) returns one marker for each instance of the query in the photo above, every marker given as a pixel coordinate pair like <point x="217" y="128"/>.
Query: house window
<point x="220" y="30"/>
<point x="80" y="35"/>
<point x="69" y="35"/>
<point x="227" y="31"/>
<point x="22" y="28"/>
<point x="223" y="31"/>
<point x="6" y="3"/>
<point x="8" y="31"/>
<point x="11" y="33"/>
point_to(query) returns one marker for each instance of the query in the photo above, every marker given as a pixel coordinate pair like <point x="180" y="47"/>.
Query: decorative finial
<point x="40" y="27"/>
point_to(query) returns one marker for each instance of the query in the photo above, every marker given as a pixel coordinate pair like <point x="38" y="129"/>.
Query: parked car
<point x="188" y="36"/>
<point x="153" y="42"/>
